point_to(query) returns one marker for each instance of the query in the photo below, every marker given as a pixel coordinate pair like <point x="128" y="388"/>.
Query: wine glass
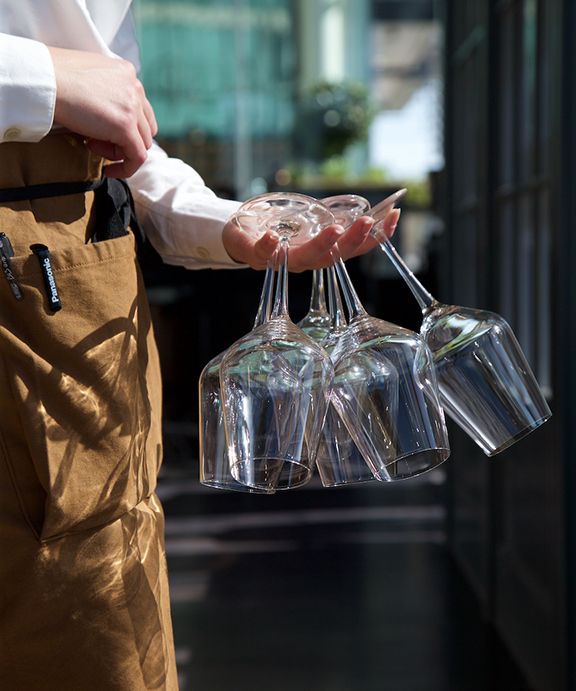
<point x="385" y="387"/>
<point x="339" y="461"/>
<point x="486" y="384"/>
<point x="275" y="382"/>
<point x="348" y="207"/>
<point x="214" y="461"/>
<point x="316" y="323"/>
<point x="215" y="469"/>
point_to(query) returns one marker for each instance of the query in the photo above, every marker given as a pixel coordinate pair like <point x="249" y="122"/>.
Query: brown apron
<point x="84" y="602"/>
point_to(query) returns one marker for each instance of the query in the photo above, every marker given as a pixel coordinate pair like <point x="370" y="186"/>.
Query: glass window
<point x="221" y="76"/>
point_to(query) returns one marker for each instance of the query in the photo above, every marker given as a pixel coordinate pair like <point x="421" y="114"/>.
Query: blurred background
<point x="465" y="578"/>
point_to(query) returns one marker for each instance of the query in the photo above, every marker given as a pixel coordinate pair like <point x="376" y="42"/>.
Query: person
<point x="84" y="602"/>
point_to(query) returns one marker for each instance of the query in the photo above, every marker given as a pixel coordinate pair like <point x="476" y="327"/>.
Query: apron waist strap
<point x="48" y="189"/>
<point x="115" y="205"/>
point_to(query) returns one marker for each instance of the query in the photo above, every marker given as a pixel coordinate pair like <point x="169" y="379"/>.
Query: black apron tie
<point x="115" y="211"/>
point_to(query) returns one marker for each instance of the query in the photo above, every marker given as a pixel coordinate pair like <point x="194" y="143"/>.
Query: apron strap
<point x="48" y="189"/>
<point x="114" y="203"/>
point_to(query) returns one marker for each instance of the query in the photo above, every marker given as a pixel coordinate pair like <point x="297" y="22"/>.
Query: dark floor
<point x="322" y="590"/>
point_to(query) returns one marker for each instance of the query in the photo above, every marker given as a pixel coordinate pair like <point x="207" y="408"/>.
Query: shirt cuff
<point x="27" y="89"/>
<point x="188" y="232"/>
<point x="182" y="218"/>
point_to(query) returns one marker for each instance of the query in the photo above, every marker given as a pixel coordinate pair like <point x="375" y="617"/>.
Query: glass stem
<point x="280" y="308"/>
<point x="317" y="299"/>
<point x="334" y="301"/>
<point x="355" y="308"/>
<point x="263" y="313"/>
<point x="425" y="300"/>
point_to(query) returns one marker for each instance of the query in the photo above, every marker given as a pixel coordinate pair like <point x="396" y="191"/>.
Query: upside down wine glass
<point x="339" y="461"/>
<point x="275" y="382"/>
<point x="215" y="469"/>
<point x="384" y="387"/>
<point x="486" y="384"/>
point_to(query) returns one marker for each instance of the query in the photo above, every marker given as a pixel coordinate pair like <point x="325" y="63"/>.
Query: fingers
<point x="355" y="237"/>
<point x="127" y="157"/>
<point x="136" y="137"/>
<point x="264" y="249"/>
<point x="150" y="116"/>
<point x="391" y="221"/>
<point x="324" y="249"/>
<point x="134" y="152"/>
<point x="144" y="131"/>
<point x="334" y="243"/>
<point x="245" y="249"/>
<point x="331" y="244"/>
<point x="122" y="168"/>
<point x="147" y="126"/>
<point x="317" y="252"/>
<point x="105" y="149"/>
<point x="385" y="229"/>
<point x="137" y="140"/>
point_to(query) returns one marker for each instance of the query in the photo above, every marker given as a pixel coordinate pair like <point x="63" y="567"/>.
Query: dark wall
<point x="510" y="171"/>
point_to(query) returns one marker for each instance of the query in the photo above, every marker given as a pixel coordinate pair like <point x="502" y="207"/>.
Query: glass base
<point x="347" y="483"/>
<point x="271" y="474"/>
<point x="413" y="464"/>
<point x="234" y="487"/>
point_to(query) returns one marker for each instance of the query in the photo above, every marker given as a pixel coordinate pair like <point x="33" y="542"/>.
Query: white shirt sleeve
<point x="182" y="218"/>
<point x="27" y="89"/>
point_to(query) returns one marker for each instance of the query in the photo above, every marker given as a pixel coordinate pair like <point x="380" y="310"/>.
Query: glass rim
<point x="524" y="432"/>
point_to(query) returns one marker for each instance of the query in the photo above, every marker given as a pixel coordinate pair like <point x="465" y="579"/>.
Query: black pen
<point x="6" y="253"/>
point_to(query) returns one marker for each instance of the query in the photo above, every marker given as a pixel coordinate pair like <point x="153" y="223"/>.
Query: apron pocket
<point x="86" y="385"/>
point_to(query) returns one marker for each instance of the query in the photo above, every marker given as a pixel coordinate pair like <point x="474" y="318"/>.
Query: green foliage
<point x="419" y="193"/>
<point x="334" y="173"/>
<point x="331" y="117"/>
<point x="334" y="168"/>
<point x="377" y="177"/>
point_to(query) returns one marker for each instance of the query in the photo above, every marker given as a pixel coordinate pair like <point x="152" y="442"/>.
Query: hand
<point x="331" y="244"/>
<point x="101" y="98"/>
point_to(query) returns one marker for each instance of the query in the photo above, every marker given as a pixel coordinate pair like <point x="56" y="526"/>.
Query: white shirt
<point x="181" y="216"/>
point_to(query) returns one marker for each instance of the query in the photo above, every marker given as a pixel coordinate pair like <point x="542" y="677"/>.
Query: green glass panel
<point x="202" y="60"/>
